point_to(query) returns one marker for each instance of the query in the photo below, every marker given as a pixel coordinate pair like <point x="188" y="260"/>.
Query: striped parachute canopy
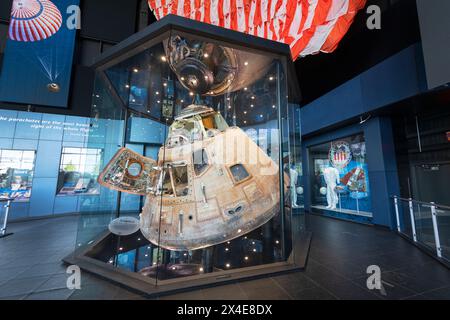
<point x="34" y="20"/>
<point x="307" y="26"/>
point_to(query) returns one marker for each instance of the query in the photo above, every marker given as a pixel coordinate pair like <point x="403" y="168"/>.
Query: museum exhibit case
<point x="339" y="177"/>
<point x="195" y="138"/>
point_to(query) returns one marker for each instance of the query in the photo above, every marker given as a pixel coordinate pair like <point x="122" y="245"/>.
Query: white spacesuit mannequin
<point x="331" y="176"/>
<point x="293" y="182"/>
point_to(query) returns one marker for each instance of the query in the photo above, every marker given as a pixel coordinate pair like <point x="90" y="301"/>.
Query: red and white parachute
<point x="307" y="26"/>
<point x="34" y="20"/>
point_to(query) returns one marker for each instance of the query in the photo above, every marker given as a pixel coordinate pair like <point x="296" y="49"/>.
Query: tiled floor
<point x="30" y="267"/>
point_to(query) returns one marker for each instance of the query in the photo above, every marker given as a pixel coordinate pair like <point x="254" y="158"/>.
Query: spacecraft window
<point x="189" y="128"/>
<point x="239" y="172"/>
<point x="214" y="121"/>
<point x="134" y="169"/>
<point x="200" y="160"/>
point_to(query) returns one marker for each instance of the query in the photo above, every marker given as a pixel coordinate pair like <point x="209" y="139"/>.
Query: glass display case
<point x="199" y="145"/>
<point x="339" y="177"/>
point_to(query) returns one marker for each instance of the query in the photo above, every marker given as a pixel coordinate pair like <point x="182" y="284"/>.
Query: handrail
<point x="423" y="202"/>
<point x="433" y="211"/>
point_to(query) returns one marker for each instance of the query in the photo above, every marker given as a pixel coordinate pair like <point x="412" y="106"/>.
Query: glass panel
<point x="443" y="222"/>
<point x="405" y="218"/>
<point x="424" y="225"/>
<point x="105" y="138"/>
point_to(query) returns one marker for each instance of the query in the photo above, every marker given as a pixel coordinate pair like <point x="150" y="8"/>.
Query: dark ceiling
<point x="360" y="49"/>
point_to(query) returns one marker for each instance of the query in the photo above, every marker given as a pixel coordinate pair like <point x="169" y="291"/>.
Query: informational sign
<point x="37" y="62"/>
<point x="68" y="128"/>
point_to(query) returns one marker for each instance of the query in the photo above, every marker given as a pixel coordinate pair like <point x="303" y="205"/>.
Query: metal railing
<point x="4" y="225"/>
<point x="425" y="223"/>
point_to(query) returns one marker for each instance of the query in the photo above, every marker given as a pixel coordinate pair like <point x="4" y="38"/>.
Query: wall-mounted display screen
<point x="78" y="171"/>
<point x="339" y="176"/>
<point x="39" y="50"/>
<point x="16" y="173"/>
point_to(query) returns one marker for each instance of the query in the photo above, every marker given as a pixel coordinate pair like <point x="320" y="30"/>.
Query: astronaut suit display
<point x="293" y="184"/>
<point x="331" y="176"/>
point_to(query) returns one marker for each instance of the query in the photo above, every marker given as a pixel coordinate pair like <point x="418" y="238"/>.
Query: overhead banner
<point x="38" y="58"/>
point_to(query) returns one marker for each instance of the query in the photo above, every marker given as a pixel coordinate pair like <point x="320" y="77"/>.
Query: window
<point x="239" y="172"/>
<point x="214" y="121"/>
<point x="200" y="160"/>
<point x="16" y="173"/>
<point x="78" y="171"/>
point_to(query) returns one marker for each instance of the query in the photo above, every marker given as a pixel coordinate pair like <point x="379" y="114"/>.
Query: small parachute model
<point x="34" y="20"/>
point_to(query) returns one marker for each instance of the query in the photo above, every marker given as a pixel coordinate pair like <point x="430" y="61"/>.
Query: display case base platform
<point x="149" y="287"/>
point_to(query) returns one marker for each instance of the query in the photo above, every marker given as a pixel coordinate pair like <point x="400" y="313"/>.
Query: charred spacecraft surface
<point x="211" y="183"/>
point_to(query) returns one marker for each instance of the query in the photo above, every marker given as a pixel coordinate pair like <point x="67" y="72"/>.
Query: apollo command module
<point x="210" y="184"/>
